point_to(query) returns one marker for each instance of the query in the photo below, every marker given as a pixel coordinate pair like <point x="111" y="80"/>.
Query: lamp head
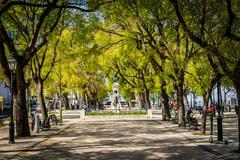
<point x="12" y="63"/>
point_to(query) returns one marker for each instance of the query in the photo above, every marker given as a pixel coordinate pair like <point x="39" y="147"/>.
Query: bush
<point x="115" y="113"/>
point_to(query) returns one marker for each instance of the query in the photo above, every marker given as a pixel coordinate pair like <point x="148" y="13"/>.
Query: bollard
<point x="211" y="123"/>
<point x="37" y="120"/>
<point x="219" y="128"/>
<point x="150" y="113"/>
<point x="82" y="114"/>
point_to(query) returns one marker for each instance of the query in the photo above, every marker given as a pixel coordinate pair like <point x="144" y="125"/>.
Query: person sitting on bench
<point x="54" y="119"/>
<point x="192" y="119"/>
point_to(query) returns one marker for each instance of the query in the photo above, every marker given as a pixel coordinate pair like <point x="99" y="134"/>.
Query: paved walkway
<point x="122" y="139"/>
<point x="117" y="140"/>
<point x="7" y="151"/>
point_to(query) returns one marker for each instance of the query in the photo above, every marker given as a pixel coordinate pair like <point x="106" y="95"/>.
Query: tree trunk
<point x="186" y="100"/>
<point x="20" y="108"/>
<point x="141" y="100"/>
<point x="237" y="86"/>
<point x="154" y="99"/>
<point x="85" y="99"/>
<point x="194" y="101"/>
<point x="165" y="102"/>
<point x="204" y="112"/>
<point x="206" y="97"/>
<point x="41" y="99"/>
<point x="225" y="99"/>
<point x="180" y="103"/>
<point x="96" y="102"/>
<point x="147" y="99"/>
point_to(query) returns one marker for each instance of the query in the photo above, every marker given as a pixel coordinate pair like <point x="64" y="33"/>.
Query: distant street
<point x="117" y="140"/>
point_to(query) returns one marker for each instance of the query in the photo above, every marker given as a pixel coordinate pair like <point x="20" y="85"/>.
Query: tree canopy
<point x="155" y="46"/>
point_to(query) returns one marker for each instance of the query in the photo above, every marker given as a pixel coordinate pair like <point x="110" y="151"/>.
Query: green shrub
<point x="115" y="113"/>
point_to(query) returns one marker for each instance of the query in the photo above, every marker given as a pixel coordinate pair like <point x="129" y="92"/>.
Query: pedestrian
<point x="192" y="119"/>
<point x="174" y="105"/>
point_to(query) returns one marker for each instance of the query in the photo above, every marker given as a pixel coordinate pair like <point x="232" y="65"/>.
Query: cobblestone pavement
<point x="139" y="138"/>
<point x="24" y="143"/>
<point x="117" y="140"/>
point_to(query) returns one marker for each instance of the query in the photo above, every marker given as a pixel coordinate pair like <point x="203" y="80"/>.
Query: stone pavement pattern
<point x="9" y="150"/>
<point x="117" y="140"/>
<point x="139" y="139"/>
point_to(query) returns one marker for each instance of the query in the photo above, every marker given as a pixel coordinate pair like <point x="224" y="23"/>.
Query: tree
<point x="160" y="31"/>
<point x="218" y="24"/>
<point x="202" y="78"/>
<point x="136" y="26"/>
<point x="78" y="48"/>
<point x="40" y="73"/>
<point x="137" y="73"/>
<point x="22" y="38"/>
<point x="24" y="30"/>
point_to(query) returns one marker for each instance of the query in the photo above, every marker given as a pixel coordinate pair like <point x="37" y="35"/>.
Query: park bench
<point x="2" y="119"/>
<point x="54" y="119"/>
<point x="174" y="120"/>
<point x="191" y="123"/>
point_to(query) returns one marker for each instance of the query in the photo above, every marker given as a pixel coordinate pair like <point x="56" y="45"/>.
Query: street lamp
<point x="12" y="66"/>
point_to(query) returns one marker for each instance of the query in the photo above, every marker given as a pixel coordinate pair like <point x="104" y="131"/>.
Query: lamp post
<point x="12" y="66"/>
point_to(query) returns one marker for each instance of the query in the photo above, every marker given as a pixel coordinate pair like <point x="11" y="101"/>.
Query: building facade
<point x="5" y="93"/>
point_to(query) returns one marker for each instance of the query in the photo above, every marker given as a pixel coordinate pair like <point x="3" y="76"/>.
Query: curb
<point x="47" y="137"/>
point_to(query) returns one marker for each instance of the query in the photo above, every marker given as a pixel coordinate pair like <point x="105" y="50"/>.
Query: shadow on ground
<point x="135" y="140"/>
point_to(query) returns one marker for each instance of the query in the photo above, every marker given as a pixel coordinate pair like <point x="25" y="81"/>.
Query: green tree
<point x="137" y="73"/>
<point x="23" y="32"/>
<point x="213" y="29"/>
<point x="136" y="26"/>
<point x="202" y="78"/>
<point x="41" y="66"/>
<point x="24" y="29"/>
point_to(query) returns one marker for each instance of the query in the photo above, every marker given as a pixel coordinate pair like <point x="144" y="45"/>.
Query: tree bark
<point x="237" y="86"/>
<point x="141" y="100"/>
<point x="204" y="112"/>
<point x="41" y="99"/>
<point x="147" y="99"/>
<point x="180" y="103"/>
<point x="186" y="100"/>
<point x="20" y="108"/>
<point x="194" y="101"/>
<point x="165" y="102"/>
<point x="206" y="98"/>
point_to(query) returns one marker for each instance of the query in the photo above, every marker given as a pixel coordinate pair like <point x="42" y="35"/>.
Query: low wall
<point x="115" y="116"/>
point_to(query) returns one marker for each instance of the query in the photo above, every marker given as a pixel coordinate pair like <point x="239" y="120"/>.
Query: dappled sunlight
<point x="116" y="141"/>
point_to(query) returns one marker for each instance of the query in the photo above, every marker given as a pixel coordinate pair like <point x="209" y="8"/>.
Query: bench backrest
<point x="53" y="117"/>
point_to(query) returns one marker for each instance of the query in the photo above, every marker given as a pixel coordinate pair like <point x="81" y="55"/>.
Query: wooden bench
<point x="175" y="119"/>
<point x="2" y="119"/>
<point x="192" y="123"/>
<point x="54" y="119"/>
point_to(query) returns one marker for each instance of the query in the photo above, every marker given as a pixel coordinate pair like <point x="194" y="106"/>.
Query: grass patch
<point x="100" y="113"/>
